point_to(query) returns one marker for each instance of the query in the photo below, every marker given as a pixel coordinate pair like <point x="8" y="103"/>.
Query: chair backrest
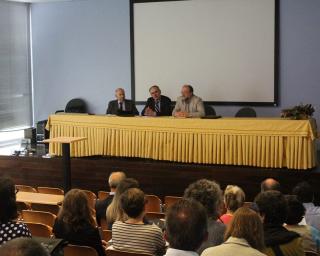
<point x="76" y="106"/>
<point x="77" y="250"/>
<point x="246" y="112"/>
<point x="91" y="197"/>
<point x="25" y="188"/>
<point x="54" y="209"/>
<point x="46" y="218"/>
<point x="106" y="234"/>
<point x="38" y="229"/>
<point x="50" y="190"/>
<point x="170" y="200"/>
<point x="209" y="111"/>
<point x="311" y="254"/>
<point x="103" y="195"/>
<point x="111" y="252"/>
<point x="153" y="203"/>
<point x="154" y="215"/>
<point x="247" y="204"/>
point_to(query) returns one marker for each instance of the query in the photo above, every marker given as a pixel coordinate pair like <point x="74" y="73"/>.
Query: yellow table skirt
<point x="262" y="142"/>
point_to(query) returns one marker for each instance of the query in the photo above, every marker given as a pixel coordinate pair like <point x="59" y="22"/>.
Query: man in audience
<point x="270" y="184"/>
<point x="121" y="104"/>
<point x="23" y="247"/>
<point x="186" y="227"/>
<point x="157" y="104"/>
<point x="101" y="205"/>
<point x="305" y="195"/>
<point x="188" y="105"/>
<point x="133" y="234"/>
<point x="209" y="194"/>
<point x="278" y="240"/>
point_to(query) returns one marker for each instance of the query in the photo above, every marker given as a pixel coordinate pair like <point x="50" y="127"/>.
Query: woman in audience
<point x="234" y="198"/>
<point x="273" y="209"/>
<point x="209" y="194"/>
<point x="10" y="228"/>
<point x="310" y="235"/>
<point x="244" y="236"/>
<point x="75" y="223"/>
<point x="133" y="234"/>
<point x="114" y="211"/>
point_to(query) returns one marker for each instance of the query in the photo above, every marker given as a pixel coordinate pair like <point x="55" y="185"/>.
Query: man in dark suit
<point x="157" y="104"/>
<point x="101" y="205"/>
<point x="121" y="104"/>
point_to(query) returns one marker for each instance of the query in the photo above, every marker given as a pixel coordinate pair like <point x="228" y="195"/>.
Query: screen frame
<point x="275" y="103"/>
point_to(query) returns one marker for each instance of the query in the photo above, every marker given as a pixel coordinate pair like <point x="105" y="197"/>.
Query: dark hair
<point x="132" y="202"/>
<point x="23" y="247"/>
<point x="208" y="193"/>
<point x="190" y="87"/>
<point x="8" y="204"/>
<point x="304" y="192"/>
<point x="186" y="225"/>
<point x="126" y="184"/>
<point x="247" y="224"/>
<point x="273" y="205"/>
<point x="296" y="210"/>
<point x="270" y="184"/>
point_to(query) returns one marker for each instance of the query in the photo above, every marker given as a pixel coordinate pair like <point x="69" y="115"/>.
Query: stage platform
<point x="156" y="177"/>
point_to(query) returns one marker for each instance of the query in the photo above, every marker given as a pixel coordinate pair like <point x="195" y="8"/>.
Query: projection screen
<point x="226" y="49"/>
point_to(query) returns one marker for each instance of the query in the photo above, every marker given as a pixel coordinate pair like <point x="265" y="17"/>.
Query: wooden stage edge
<point x="155" y="177"/>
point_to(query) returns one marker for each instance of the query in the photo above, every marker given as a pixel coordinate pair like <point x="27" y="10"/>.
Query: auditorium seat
<point x="54" y="209"/>
<point x="154" y="215"/>
<point x="91" y="197"/>
<point x="311" y="254"/>
<point x="38" y="229"/>
<point x="103" y="195"/>
<point x="77" y="250"/>
<point x="25" y="188"/>
<point x="50" y="190"/>
<point x="170" y="200"/>
<point x="153" y="203"/>
<point x="246" y="112"/>
<point x="110" y="252"/>
<point x="106" y="234"/>
<point x="247" y="204"/>
<point x="46" y="218"/>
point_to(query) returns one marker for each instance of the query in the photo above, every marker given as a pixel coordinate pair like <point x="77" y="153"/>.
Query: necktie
<point x="156" y="106"/>
<point x="121" y="105"/>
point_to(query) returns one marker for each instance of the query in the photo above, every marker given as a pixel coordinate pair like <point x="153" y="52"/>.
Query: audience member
<point x="10" y="228"/>
<point x="75" y="223"/>
<point x="244" y="236"/>
<point x="305" y="195"/>
<point x="278" y="240"/>
<point x="23" y="247"/>
<point x="186" y="227"/>
<point x="134" y="235"/>
<point x="270" y="184"/>
<point x="209" y="194"/>
<point x="101" y="205"/>
<point x="310" y="236"/>
<point x="234" y="198"/>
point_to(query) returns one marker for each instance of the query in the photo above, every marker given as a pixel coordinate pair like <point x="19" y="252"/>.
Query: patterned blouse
<point x="11" y="230"/>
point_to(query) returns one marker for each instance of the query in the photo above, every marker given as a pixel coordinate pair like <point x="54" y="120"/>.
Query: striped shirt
<point x="138" y="238"/>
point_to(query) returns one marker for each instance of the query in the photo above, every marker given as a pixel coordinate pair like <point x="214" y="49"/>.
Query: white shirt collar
<point x="176" y="252"/>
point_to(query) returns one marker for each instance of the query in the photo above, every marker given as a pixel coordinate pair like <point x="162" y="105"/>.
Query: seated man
<point x="188" y="105"/>
<point x="270" y="184"/>
<point x="101" y="205"/>
<point x="157" y="104"/>
<point x="115" y="107"/>
<point x="186" y="228"/>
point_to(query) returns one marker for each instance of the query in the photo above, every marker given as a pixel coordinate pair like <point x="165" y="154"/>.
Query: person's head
<point x="8" y="205"/>
<point x="272" y="206"/>
<point x="23" y="247"/>
<point x="114" y="179"/>
<point x="208" y="193"/>
<point x="304" y="192"/>
<point x="155" y="92"/>
<point x="247" y="224"/>
<point x="114" y="210"/>
<point x="270" y="184"/>
<point x="234" y="198"/>
<point x="186" y="225"/>
<point x="120" y="94"/>
<point x="187" y="91"/>
<point x="132" y="202"/>
<point x="75" y="212"/>
<point x="296" y="210"/>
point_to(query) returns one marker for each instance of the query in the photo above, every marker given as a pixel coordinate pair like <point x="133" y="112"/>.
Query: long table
<point x="39" y="198"/>
<point x="261" y="142"/>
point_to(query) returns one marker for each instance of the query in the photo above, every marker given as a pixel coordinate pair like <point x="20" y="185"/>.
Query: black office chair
<point x="246" y="112"/>
<point x="209" y="110"/>
<point x="75" y="106"/>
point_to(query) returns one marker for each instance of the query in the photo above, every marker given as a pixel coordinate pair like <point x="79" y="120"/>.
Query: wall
<point x="82" y="49"/>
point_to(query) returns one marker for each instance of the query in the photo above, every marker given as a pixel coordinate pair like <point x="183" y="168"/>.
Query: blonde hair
<point x="234" y="197"/>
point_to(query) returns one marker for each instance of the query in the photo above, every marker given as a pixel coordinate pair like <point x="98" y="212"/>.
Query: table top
<point x="64" y="140"/>
<point x="39" y="198"/>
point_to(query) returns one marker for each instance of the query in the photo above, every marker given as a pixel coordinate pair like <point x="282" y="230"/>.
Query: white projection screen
<point x="226" y="49"/>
